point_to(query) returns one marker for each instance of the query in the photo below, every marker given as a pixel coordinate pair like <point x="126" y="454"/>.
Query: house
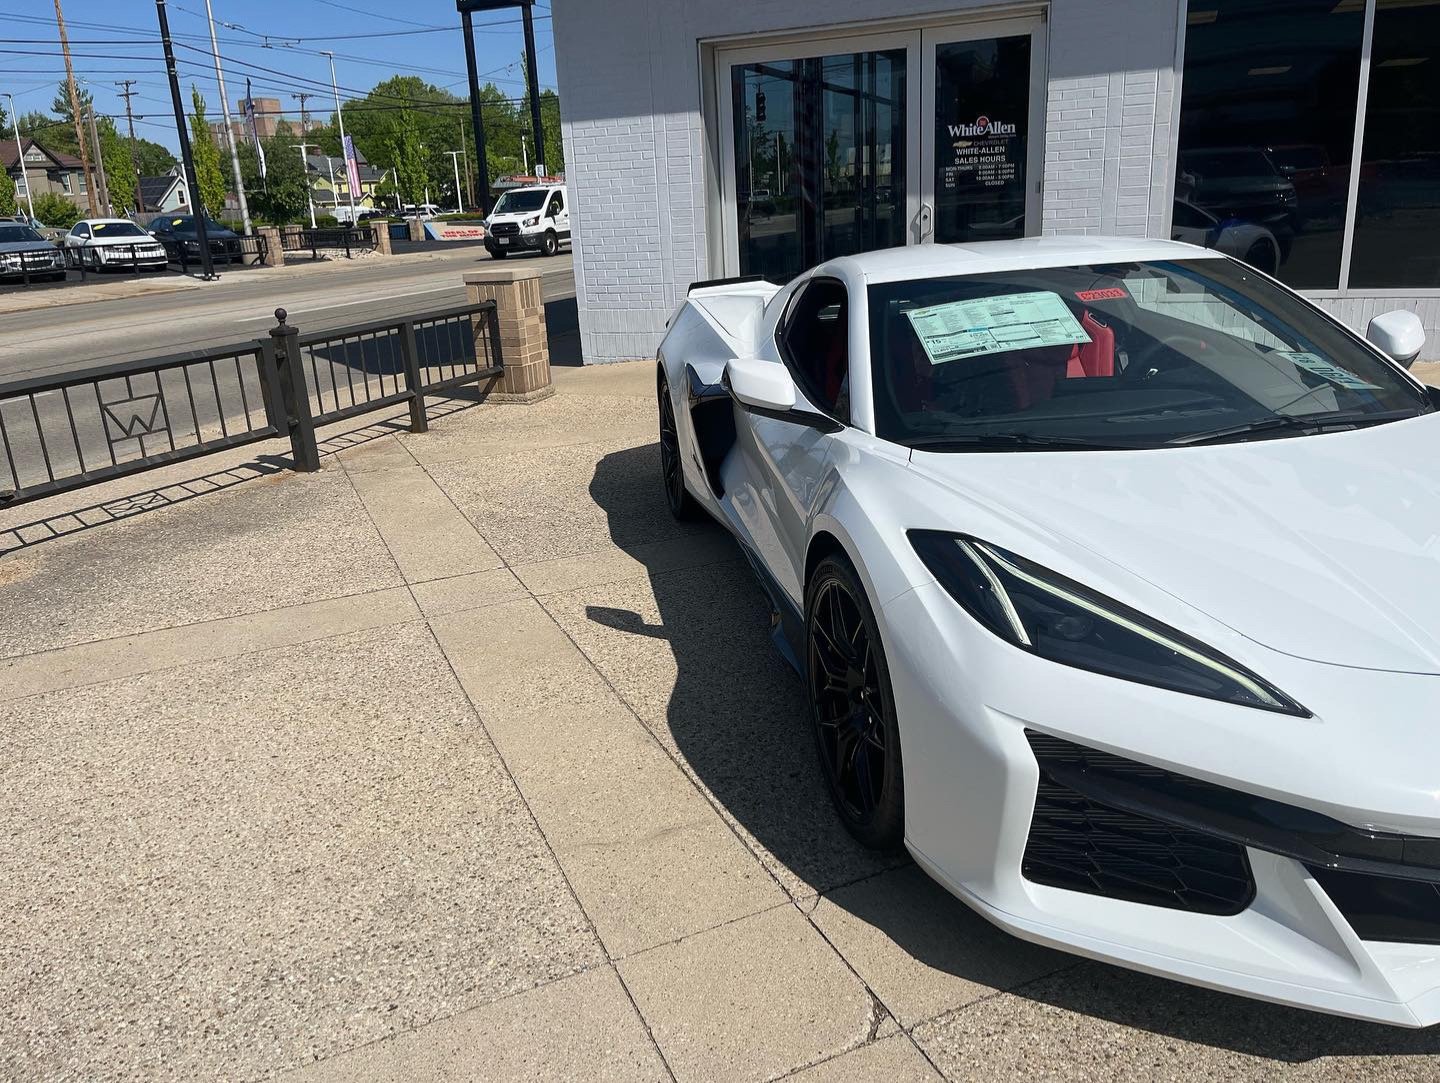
<point x="165" y="194"/>
<point x="44" y="171"/>
<point x="707" y="139"/>
<point x="330" y="186"/>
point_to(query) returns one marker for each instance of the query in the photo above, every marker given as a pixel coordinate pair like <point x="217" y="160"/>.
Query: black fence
<point x="350" y="239"/>
<point x="59" y="433"/>
<point x="223" y="250"/>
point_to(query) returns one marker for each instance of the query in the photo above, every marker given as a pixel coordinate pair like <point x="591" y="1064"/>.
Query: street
<point x="240" y="307"/>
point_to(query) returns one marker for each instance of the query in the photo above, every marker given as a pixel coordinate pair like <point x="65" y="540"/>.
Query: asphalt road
<point x="240" y="307"/>
<point x="61" y="433"/>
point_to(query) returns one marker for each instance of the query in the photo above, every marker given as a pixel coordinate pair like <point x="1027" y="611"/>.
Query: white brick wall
<point x="635" y="146"/>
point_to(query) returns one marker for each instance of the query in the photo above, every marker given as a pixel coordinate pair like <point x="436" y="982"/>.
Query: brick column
<point x="382" y="237"/>
<point x="274" y="253"/>
<point x="524" y="342"/>
<point x="417" y="229"/>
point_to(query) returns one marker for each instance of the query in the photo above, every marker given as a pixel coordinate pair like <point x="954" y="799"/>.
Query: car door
<point x="785" y="455"/>
<point x="561" y="213"/>
<point x="78" y="236"/>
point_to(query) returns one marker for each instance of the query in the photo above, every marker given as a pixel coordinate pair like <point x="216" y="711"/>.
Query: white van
<point x="533" y="219"/>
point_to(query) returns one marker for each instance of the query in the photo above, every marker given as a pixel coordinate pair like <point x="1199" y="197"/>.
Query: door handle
<point x="926" y="220"/>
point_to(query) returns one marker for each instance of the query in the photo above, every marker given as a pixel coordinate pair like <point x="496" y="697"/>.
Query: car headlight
<point x="533" y="221"/>
<point x="1058" y="619"/>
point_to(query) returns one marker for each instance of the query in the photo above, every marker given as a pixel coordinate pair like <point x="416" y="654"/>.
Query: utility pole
<point x="482" y="160"/>
<point x="20" y="157"/>
<point x="127" y="94"/>
<point x="533" y="85"/>
<point x="201" y="233"/>
<point x="340" y="120"/>
<point x="305" y="168"/>
<point x="459" y="197"/>
<point x="304" y="113"/>
<point x="229" y="131"/>
<point x="104" y="193"/>
<point x="75" y="108"/>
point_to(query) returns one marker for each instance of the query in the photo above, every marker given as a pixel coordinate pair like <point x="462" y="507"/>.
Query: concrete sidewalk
<point x="458" y="760"/>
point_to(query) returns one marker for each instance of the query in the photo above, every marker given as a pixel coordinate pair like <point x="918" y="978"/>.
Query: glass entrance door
<point x="820" y="150"/>
<point x="983" y="101"/>
<point x="843" y="145"/>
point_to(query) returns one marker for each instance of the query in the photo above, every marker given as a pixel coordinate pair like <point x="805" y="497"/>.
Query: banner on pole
<point x="352" y="170"/>
<point x="254" y="128"/>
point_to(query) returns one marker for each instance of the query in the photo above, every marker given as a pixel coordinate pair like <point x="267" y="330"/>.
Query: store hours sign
<point x="983" y="153"/>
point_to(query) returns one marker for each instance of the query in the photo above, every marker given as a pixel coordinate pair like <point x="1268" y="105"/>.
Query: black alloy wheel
<point x="1262" y="257"/>
<point x="852" y="707"/>
<point x="549" y="244"/>
<point x="677" y="498"/>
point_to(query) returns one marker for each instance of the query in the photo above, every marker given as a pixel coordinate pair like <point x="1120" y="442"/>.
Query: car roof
<point x="104" y="222"/>
<point x="943" y="260"/>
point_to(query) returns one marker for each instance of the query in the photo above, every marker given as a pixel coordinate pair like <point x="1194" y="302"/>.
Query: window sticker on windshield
<point x="1017" y="321"/>
<point x="1114" y="293"/>
<point x="1325" y="370"/>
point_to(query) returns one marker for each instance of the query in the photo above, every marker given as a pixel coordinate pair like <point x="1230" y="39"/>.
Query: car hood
<point x="27" y="246"/>
<point x="1323" y="547"/>
<point x="96" y="242"/>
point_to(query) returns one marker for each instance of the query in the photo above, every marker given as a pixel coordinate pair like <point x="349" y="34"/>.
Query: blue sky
<point x="119" y="39"/>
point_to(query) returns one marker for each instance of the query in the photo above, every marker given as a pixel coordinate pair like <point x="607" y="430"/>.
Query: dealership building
<point x="707" y="138"/>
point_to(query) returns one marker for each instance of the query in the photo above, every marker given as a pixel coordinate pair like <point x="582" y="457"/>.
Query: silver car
<point x="23" y="251"/>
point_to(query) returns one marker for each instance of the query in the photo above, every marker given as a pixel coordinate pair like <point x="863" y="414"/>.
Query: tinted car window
<point x="81" y="230"/>
<point x="10" y="234"/>
<point x="815" y="340"/>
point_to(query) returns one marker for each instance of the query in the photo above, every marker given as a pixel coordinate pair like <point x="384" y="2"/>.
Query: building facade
<point x="44" y="171"/>
<point x="707" y="138"/>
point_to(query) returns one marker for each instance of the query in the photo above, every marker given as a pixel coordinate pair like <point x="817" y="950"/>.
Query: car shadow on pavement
<point x="738" y="718"/>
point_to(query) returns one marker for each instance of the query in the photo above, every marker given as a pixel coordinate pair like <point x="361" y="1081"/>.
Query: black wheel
<point x="499" y="253"/>
<point x="549" y="244"/>
<point x="1262" y="257"/>
<point x="853" y="708"/>
<point x="681" y="504"/>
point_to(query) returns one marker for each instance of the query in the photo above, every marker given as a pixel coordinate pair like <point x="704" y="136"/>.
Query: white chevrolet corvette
<point x="1112" y="568"/>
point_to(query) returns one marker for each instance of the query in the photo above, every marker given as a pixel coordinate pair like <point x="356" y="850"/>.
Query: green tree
<point x="281" y="196"/>
<point x="209" y="177"/>
<point x="152" y="159"/>
<point x="119" y="172"/>
<point x="56" y="211"/>
<point x="8" y="204"/>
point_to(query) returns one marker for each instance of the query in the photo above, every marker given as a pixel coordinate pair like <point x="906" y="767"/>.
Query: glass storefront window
<point x="819" y="159"/>
<point x="1267" y="123"/>
<point x="1397" y="214"/>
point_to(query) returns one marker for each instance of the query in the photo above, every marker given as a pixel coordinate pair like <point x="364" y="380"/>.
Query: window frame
<point x="797" y="372"/>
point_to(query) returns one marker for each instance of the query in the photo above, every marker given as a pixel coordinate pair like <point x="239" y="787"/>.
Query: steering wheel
<point x="1141" y="365"/>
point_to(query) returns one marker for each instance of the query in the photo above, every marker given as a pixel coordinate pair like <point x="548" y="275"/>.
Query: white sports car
<point x="1112" y="568"/>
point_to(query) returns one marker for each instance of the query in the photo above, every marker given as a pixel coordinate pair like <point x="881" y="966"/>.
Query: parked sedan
<point x="99" y="243"/>
<point x="1109" y="569"/>
<point x="179" y="235"/>
<point x="22" y="250"/>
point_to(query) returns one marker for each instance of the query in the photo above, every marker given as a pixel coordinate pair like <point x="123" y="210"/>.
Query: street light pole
<point x="229" y="132"/>
<point x="340" y="119"/>
<point x="305" y="171"/>
<point x="20" y="157"/>
<point x="459" y="198"/>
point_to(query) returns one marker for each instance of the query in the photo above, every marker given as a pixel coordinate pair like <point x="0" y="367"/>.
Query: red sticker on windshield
<point x="1114" y="293"/>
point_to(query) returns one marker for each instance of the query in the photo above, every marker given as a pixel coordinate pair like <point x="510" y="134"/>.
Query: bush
<point x="56" y="211"/>
<point x="326" y="221"/>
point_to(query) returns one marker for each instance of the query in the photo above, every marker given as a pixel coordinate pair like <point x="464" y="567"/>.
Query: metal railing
<point x="242" y="250"/>
<point x="64" y="432"/>
<point x="349" y="238"/>
<point x="28" y="267"/>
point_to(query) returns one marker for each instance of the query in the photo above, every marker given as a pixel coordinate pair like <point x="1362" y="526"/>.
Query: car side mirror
<point x="1398" y="334"/>
<point x="761" y="385"/>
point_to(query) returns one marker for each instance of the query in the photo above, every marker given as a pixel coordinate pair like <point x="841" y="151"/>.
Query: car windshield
<point x="186" y="224"/>
<point x="13" y="232"/>
<point x="116" y="229"/>
<point x="1123" y="355"/>
<point x="520" y="202"/>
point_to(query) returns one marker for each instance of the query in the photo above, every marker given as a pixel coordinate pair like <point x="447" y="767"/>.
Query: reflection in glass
<point x="1267" y="123"/>
<point x="982" y="113"/>
<point x="1397" y="217"/>
<point x="819" y="159"/>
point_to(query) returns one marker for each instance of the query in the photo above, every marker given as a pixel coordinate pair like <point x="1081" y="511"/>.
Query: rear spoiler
<point x="736" y="281"/>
